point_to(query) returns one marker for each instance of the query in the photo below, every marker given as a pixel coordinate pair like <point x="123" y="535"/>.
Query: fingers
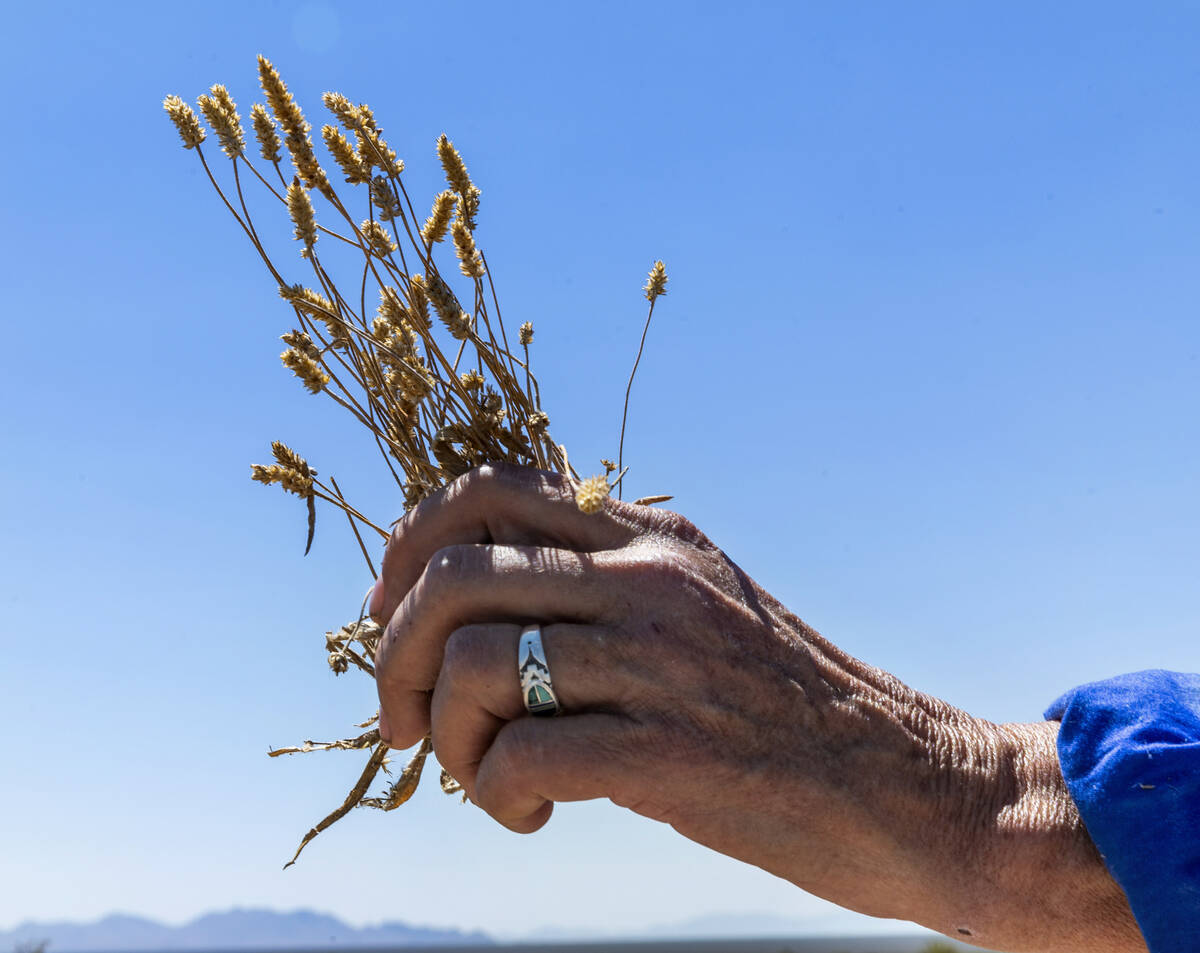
<point x="498" y="503"/>
<point x="478" y="690"/>
<point x="469" y="584"/>
<point x="536" y="761"/>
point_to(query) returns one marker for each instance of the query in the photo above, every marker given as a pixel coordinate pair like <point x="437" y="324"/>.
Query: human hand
<point x="693" y="697"/>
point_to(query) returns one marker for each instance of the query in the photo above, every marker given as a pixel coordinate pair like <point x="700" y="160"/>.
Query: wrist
<point x="1029" y="876"/>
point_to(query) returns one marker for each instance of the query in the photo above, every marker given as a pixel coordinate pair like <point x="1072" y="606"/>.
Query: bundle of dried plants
<point x="419" y="357"/>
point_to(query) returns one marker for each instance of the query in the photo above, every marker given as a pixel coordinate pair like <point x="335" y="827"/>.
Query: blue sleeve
<point x="1130" y="752"/>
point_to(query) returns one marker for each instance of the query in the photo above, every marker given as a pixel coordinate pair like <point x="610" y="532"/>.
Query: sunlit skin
<point x="693" y="697"/>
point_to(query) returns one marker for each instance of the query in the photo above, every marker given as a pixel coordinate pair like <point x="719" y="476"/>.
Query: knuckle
<point x="476" y="481"/>
<point x="670" y="566"/>
<point x="679" y="527"/>
<point x="448" y="565"/>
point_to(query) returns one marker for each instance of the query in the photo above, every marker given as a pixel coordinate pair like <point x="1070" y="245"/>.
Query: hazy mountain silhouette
<point x="237" y="929"/>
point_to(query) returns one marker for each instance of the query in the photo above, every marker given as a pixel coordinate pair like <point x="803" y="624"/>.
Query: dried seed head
<point x="435" y="226"/>
<point x="290" y="470"/>
<point x="488" y="419"/>
<point x="346" y="156"/>
<point x="413" y="383"/>
<point x="305" y="368"/>
<point x="279" y="99"/>
<point x="343" y="109"/>
<point x="469" y="260"/>
<point x="418" y="303"/>
<point x="398" y="343"/>
<point x="656" y="282"/>
<point x="290" y="480"/>
<point x="186" y="121"/>
<point x="468" y="207"/>
<point x="608" y="465"/>
<point x="379" y="241"/>
<point x="455" y="168"/>
<point x="338" y="662"/>
<point x="493" y="403"/>
<point x="526" y="332"/>
<point x="372" y="150"/>
<point x="285" y="456"/>
<point x="471" y="380"/>
<point x="302" y="343"/>
<point x="221" y="112"/>
<point x="402" y="346"/>
<point x="301" y="210"/>
<point x="460" y="326"/>
<point x="317" y="306"/>
<point x="375" y="153"/>
<point x="309" y="301"/>
<point x="367" y="118"/>
<point x="538" y="421"/>
<point x="457" y="321"/>
<point x="591" y="493"/>
<point x="391" y="308"/>
<point x="264" y="131"/>
<point x="383" y="197"/>
<point x="295" y="128"/>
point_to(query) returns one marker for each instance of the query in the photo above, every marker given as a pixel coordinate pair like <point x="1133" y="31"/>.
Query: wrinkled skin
<point x="693" y="697"/>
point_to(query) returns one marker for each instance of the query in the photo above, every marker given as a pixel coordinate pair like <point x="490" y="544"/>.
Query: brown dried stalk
<point x="437" y="398"/>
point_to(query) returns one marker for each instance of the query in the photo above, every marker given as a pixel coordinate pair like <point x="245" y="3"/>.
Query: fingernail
<point x="376" y="605"/>
<point x="383" y="726"/>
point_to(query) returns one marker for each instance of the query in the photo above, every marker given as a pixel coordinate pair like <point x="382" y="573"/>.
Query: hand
<point x="693" y="697"/>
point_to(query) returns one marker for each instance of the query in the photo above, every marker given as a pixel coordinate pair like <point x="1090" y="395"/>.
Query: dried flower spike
<point x="316" y="305"/>
<point x="290" y="470"/>
<point x="346" y="156"/>
<point x="591" y="493"/>
<point x="264" y="131"/>
<point x="375" y="153"/>
<point x="384" y="198"/>
<point x="343" y="109"/>
<point x="418" y="303"/>
<point x="186" y="121"/>
<point x="470" y="262"/>
<point x="454" y="167"/>
<point x="221" y="112"/>
<point x="301" y="210"/>
<point x="656" y="282"/>
<point x="302" y="343"/>
<point x="526" y="332"/>
<point x="456" y="320"/>
<point x="294" y="126"/>
<point x="379" y="241"/>
<point x="306" y="368"/>
<point x="435" y="226"/>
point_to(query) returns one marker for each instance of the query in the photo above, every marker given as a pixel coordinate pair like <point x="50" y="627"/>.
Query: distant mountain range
<point x="236" y="929"/>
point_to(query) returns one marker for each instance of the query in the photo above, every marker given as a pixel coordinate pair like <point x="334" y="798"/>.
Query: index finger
<point x="496" y="503"/>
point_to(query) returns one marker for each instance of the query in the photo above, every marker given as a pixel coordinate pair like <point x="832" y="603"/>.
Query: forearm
<point x="968" y="825"/>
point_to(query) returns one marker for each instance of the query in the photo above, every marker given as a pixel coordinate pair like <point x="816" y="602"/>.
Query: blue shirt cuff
<point x="1129" y="748"/>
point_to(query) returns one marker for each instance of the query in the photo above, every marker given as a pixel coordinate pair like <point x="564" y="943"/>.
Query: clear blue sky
<point x="929" y="370"/>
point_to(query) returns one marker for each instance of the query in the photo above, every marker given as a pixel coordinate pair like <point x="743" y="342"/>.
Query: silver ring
<point x="537" y="691"/>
